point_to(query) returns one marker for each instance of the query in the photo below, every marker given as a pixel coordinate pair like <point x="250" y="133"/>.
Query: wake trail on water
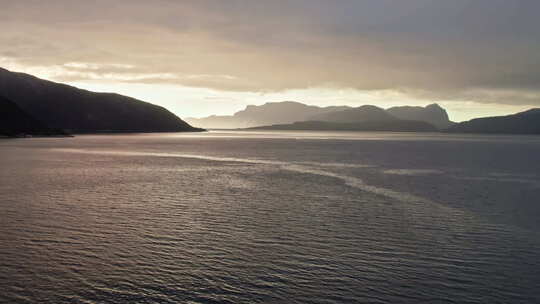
<point x="350" y="181"/>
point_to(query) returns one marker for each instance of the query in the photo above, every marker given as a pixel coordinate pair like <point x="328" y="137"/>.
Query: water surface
<point x="270" y="217"/>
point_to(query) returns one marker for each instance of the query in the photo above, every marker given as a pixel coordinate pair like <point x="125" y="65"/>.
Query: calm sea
<point x="295" y="217"/>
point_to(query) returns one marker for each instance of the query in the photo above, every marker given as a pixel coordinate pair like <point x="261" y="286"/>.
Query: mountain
<point x="527" y="122"/>
<point x="433" y="113"/>
<point x="14" y="121"/>
<point x="394" y="125"/>
<point x="65" y="107"/>
<point x="266" y="114"/>
<point x="288" y="112"/>
<point x="359" y="114"/>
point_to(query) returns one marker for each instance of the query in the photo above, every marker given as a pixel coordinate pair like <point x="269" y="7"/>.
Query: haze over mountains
<point x="290" y="115"/>
<point x="29" y="105"/>
<point x="396" y="125"/>
<point x="362" y="113"/>
<point x="266" y="114"/>
<point x="60" y="106"/>
<point x="433" y="114"/>
<point x="289" y="112"/>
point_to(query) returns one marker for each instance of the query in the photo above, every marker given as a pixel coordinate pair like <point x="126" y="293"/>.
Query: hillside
<point x="527" y="122"/>
<point x="65" y="107"/>
<point x="15" y="122"/>
<point x="359" y="114"/>
<point x="433" y="113"/>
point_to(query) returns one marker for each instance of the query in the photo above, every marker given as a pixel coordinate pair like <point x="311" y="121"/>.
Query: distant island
<point x="55" y="106"/>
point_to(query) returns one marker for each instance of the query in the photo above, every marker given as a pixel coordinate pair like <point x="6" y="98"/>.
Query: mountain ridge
<point x="395" y="125"/>
<point x="268" y="113"/>
<point x="352" y="115"/>
<point x="288" y="112"/>
<point x="61" y="106"/>
<point x="432" y="113"/>
<point x="526" y="122"/>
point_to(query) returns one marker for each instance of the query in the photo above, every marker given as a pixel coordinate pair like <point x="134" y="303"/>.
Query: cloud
<point x="483" y="50"/>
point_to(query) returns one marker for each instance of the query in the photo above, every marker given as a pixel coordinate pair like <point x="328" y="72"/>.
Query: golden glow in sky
<point x="187" y="101"/>
<point x="198" y="58"/>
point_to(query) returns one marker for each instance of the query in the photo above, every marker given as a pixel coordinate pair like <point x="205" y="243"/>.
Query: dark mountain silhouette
<point x="360" y="114"/>
<point x="364" y="118"/>
<point x="433" y="113"/>
<point x="394" y="125"/>
<point x="527" y="122"/>
<point x="60" y="106"/>
<point x="267" y="114"/>
<point x="289" y="112"/>
<point x="16" y="122"/>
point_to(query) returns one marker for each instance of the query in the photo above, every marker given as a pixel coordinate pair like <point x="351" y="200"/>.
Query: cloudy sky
<point x="202" y="57"/>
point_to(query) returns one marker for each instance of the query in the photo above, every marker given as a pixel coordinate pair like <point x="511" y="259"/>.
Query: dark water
<point x="270" y="218"/>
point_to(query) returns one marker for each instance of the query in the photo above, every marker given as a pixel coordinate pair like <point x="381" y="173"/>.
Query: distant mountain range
<point x="267" y="114"/>
<point x="59" y="106"/>
<point x="353" y="115"/>
<point x="290" y="115"/>
<point x="370" y="125"/>
<point x="288" y="112"/>
<point x="29" y="105"/>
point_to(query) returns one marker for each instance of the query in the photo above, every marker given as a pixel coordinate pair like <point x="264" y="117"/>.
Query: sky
<point x="202" y="57"/>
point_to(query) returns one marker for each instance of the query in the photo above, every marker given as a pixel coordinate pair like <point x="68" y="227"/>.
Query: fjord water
<point x="232" y="217"/>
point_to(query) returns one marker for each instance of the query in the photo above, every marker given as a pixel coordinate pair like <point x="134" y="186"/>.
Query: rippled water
<point x="270" y="218"/>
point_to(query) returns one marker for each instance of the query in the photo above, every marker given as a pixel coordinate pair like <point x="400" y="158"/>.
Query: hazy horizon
<point x="264" y="99"/>
<point x="201" y="58"/>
